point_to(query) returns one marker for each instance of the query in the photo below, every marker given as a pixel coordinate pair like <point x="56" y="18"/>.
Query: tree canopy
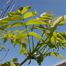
<point x="39" y="37"/>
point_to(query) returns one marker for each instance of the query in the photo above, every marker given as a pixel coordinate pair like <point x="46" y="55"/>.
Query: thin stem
<point x="32" y="43"/>
<point x="23" y="61"/>
<point x="37" y="45"/>
<point x="32" y="40"/>
<point x="46" y="51"/>
<point x="28" y="38"/>
<point x="43" y="48"/>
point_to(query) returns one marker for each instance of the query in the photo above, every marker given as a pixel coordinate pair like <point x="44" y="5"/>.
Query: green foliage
<point x="36" y="35"/>
<point x="23" y="50"/>
<point x="30" y="14"/>
<point x="48" y="40"/>
<point x="22" y="10"/>
<point x="35" y="22"/>
<point x="11" y="63"/>
<point x="2" y="47"/>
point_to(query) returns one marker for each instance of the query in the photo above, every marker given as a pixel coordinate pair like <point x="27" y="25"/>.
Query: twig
<point x="23" y="62"/>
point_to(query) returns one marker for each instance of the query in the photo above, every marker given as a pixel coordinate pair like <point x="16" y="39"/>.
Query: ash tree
<point x="39" y="37"/>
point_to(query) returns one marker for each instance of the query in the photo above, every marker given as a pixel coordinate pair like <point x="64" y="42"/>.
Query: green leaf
<point x="61" y="23"/>
<point x="59" y="35"/>
<point x="24" y="10"/>
<point x="5" y="38"/>
<point x="57" y="21"/>
<point x="17" y="24"/>
<point x="9" y="19"/>
<point x="12" y="64"/>
<point x="29" y="14"/>
<point x="14" y="38"/>
<point x="52" y="53"/>
<point x="53" y="38"/>
<point x="22" y="50"/>
<point x="16" y="31"/>
<point x="35" y="22"/>
<point x="22" y="34"/>
<point x="63" y="34"/>
<point x="9" y="34"/>
<point x="3" y="47"/>
<point x="15" y="18"/>
<point x="3" y="27"/>
<point x="55" y="54"/>
<point x="61" y="56"/>
<point x="38" y="36"/>
<point x="11" y="14"/>
<point x="46" y="16"/>
<point x="34" y="12"/>
<point x="4" y="20"/>
<point x="15" y="60"/>
<point x="64" y="45"/>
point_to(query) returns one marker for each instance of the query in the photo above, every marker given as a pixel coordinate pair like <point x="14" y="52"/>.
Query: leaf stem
<point x="28" y="37"/>
<point x="23" y="61"/>
<point x="32" y="40"/>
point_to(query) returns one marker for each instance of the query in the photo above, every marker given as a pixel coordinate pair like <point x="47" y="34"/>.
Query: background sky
<point x="58" y="7"/>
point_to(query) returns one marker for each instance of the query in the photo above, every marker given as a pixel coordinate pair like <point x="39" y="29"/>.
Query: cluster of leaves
<point x="49" y="41"/>
<point x="13" y="62"/>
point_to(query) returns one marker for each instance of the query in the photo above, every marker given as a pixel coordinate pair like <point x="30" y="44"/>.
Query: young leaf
<point x="9" y="34"/>
<point x="61" y="56"/>
<point x="38" y="36"/>
<point x="3" y="47"/>
<point x="59" y="35"/>
<point x="5" y="38"/>
<point x="55" y="54"/>
<point x="57" y="21"/>
<point x="10" y="19"/>
<point x="46" y="16"/>
<point x="11" y="14"/>
<point x="3" y="20"/>
<point x="24" y="10"/>
<point x="15" y="60"/>
<point x="17" y="24"/>
<point x="12" y="64"/>
<point x="22" y="50"/>
<point x="35" y="22"/>
<point x="53" y="38"/>
<point x="63" y="34"/>
<point x="61" y="23"/>
<point x="29" y="14"/>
